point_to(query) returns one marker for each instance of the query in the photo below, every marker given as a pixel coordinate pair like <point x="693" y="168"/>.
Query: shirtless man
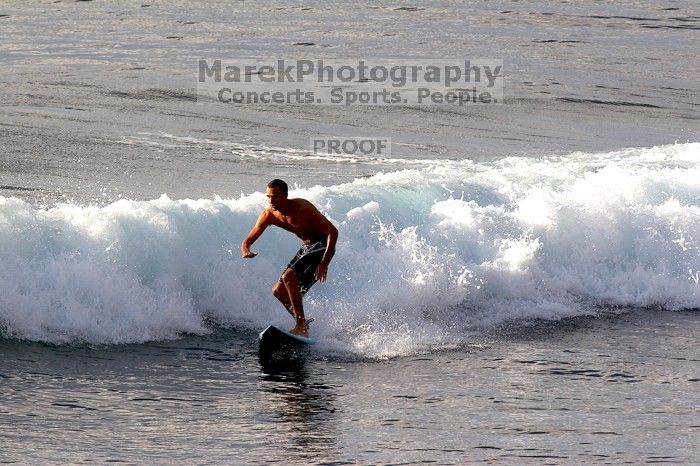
<point x="310" y="264"/>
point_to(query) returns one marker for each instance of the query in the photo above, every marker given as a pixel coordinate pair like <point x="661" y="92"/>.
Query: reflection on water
<point x="302" y="400"/>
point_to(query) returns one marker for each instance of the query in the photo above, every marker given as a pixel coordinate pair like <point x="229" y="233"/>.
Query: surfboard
<point x="276" y="342"/>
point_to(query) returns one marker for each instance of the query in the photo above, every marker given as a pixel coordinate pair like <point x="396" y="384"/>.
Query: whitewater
<point x="427" y="258"/>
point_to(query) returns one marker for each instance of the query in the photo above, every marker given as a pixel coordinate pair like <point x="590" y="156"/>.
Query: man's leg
<point x="280" y="292"/>
<point x="291" y="284"/>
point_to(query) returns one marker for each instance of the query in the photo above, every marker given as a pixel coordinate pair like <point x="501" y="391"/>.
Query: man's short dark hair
<point x="279" y="184"/>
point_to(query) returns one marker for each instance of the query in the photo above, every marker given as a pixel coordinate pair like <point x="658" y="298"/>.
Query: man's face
<point x="275" y="197"/>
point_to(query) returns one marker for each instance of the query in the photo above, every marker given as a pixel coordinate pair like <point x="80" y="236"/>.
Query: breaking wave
<point x="426" y="256"/>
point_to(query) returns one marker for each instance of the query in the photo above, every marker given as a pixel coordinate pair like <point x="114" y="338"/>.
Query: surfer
<point x="310" y="264"/>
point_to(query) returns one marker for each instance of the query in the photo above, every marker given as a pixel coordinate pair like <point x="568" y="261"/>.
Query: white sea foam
<point x="426" y="256"/>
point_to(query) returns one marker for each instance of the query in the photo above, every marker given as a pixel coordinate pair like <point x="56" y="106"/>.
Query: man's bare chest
<point x="289" y="222"/>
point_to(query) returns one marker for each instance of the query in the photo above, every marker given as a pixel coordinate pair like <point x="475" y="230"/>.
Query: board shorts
<point x="305" y="262"/>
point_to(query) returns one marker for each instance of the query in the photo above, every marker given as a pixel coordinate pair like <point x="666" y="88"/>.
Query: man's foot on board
<point x="302" y="329"/>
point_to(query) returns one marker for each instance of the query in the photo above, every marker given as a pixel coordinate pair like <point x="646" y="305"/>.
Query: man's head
<point x="276" y="193"/>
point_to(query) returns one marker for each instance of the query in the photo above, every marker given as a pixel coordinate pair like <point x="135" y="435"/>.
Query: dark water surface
<point x="608" y="390"/>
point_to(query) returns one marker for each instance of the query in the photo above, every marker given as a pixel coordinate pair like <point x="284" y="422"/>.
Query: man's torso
<point x="302" y="220"/>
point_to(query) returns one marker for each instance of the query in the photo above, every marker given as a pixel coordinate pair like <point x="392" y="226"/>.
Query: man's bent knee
<point x="289" y="277"/>
<point x="279" y="290"/>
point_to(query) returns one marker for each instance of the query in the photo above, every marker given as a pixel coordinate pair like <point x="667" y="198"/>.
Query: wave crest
<point x="425" y="256"/>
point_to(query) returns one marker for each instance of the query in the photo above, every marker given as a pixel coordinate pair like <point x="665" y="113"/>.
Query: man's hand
<point x="321" y="272"/>
<point x="260" y="225"/>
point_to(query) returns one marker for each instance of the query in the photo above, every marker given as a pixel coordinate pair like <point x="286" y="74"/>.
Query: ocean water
<point x="585" y="391"/>
<point x="513" y="284"/>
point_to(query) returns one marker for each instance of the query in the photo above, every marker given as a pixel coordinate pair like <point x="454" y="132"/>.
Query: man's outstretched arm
<point x="254" y="234"/>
